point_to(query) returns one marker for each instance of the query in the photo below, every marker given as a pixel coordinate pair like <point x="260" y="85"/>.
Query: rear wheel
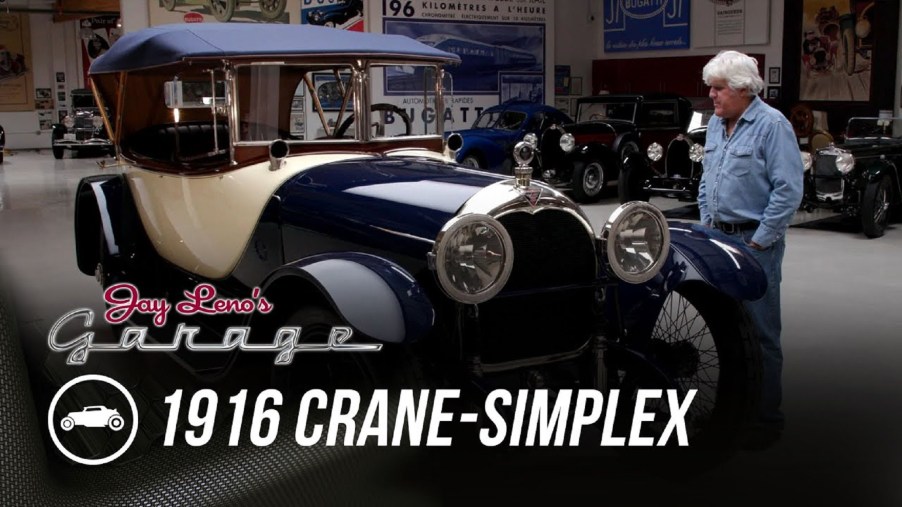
<point x="223" y="10"/>
<point x="67" y="424"/>
<point x="701" y="340"/>
<point x="875" y="207"/>
<point x="472" y="161"/>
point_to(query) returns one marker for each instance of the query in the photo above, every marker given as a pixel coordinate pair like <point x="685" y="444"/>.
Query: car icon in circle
<point x="96" y="416"/>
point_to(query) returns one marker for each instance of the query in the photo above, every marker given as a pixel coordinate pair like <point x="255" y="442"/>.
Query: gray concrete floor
<point x="842" y="316"/>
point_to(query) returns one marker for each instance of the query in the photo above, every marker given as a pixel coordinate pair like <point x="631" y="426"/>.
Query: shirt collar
<point x="751" y="113"/>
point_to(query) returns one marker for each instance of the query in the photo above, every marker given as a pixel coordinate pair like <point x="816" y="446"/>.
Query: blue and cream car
<point x="485" y="279"/>
<point x="489" y="143"/>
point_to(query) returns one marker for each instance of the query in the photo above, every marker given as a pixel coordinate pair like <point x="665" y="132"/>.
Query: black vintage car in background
<point x="859" y="177"/>
<point x="83" y="130"/>
<point x="587" y="155"/>
<point x="671" y="169"/>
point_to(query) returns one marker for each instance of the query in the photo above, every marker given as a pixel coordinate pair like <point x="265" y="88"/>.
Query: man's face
<point x="728" y="103"/>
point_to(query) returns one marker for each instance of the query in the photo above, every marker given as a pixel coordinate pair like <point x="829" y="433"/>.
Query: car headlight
<point x="655" y="151"/>
<point x="696" y="152"/>
<point x="97" y="121"/>
<point x="636" y="241"/>
<point x="806" y="160"/>
<point x="844" y="161"/>
<point x="567" y="142"/>
<point x="473" y="258"/>
<point x="531" y="139"/>
<point x="69" y="122"/>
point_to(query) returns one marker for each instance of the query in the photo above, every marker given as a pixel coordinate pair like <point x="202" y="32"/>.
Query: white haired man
<point x="750" y="188"/>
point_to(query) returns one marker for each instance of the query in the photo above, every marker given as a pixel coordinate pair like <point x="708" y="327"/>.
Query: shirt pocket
<point x="741" y="159"/>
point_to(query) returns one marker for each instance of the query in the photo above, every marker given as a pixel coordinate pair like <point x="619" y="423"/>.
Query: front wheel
<point x="875" y="207"/>
<point x="701" y="340"/>
<point x="471" y="161"/>
<point x="272" y="9"/>
<point x="588" y="180"/>
<point x="223" y="10"/>
<point x="115" y="423"/>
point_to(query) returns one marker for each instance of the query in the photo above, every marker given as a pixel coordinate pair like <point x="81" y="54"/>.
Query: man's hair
<point x="738" y="69"/>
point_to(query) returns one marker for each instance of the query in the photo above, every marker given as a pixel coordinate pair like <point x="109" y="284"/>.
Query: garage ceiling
<point x="63" y="10"/>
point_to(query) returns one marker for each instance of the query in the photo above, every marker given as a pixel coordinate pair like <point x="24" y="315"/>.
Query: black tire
<point x="222" y="10"/>
<point x="631" y="183"/>
<point x="58" y="152"/>
<point x="272" y="9"/>
<point x="589" y="180"/>
<point x="701" y="340"/>
<point x="875" y="207"/>
<point x="169" y="5"/>
<point x="390" y="368"/>
<point x="472" y="160"/>
<point x="115" y="422"/>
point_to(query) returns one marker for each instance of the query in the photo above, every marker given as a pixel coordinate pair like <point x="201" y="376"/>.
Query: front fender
<point x="697" y="254"/>
<point x="98" y="210"/>
<point x="375" y="296"/>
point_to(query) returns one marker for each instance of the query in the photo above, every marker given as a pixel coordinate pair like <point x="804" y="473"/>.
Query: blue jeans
<point x="765" y="314"/>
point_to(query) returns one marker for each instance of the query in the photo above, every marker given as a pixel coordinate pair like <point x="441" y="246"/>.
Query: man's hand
<point x="755" y="246"/>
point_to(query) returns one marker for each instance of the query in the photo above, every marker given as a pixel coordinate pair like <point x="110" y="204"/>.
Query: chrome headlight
<point x="807" y="160"/>
<point x="531" y="139"/>
<point x="636" y="241"/>
<point x="696" y="152"/>
<point x="567" y="142"/>
<point x="97" y="121"/>
<point x="69" y="122"/>
<point x="473" y="258"/>
<point x="655" y="151"/>
<point x="844" y="161"/>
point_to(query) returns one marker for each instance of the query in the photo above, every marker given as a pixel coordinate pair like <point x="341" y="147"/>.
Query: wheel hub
<point x="680" y="359"/>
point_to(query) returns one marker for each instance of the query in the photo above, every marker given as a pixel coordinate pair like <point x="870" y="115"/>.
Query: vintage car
<point x="587" y="156"/>
<point x="82" y="131"/>
<point x="335" y="14"/>
<point x="859" y="177"/>
<point x="489" y="143"/>
<point x="680" y="172"/>
<point x="95" y="416"/>
<point x="469" y="278"/>
<point x="223" y="10"/>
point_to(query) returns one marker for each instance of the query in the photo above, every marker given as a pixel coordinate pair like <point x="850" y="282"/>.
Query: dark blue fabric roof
<point x="166" y="44"/>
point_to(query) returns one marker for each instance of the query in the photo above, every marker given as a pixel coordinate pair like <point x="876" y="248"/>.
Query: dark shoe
<point x="759" y="438"/>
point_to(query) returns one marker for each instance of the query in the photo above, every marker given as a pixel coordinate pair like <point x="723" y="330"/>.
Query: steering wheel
<point x="802" y="120"/>
<point x="383" y="107"/>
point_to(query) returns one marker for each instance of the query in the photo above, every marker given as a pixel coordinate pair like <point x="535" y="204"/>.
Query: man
<point x="750" y="188"/>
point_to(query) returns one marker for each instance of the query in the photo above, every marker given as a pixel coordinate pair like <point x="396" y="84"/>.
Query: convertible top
<point x="170" y="44"/>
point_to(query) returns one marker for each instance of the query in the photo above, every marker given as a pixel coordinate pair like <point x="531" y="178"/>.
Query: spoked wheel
<point x="875" y="207"/>
<point x="702" y="340"/>
<point x="272" y="9"/>
<point x="223" y="10"/>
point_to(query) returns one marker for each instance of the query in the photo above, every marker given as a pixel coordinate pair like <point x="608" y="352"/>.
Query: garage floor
<point x="842" y="307"/>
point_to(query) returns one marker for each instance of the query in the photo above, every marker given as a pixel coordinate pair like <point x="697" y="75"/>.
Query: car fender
<point x="698" y="254"/>
<point x="624" y="138"/>
<point x="376" y="297"/>
<point x="876" y="171"/>
<point x="489" y="151"/>
<point x="594" y="151"/>
<point x="98" y="206"/>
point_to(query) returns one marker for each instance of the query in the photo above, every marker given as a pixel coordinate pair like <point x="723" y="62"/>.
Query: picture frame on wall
<point x="773" y="93"/>
<point x="773" y="75"/>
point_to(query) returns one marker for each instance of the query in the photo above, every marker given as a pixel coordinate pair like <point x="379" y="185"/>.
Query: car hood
<point x="397" y="199"/>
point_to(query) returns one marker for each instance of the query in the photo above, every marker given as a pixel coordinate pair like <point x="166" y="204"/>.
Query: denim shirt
<point x="754" y="174"/>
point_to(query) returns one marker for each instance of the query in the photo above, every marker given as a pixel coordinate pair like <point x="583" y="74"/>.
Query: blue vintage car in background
<point x="336" y="13"/>
<point x="490" y="141"/>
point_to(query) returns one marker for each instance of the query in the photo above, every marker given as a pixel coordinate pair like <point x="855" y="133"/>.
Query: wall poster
<point x="634" y="25"/>
<point x="204" y="11"/>
<point x="503" y="46"/>
<point x="837" y="47"/>
<point x="97" y="35"/>
<point x="346" y="14"/>
<point x="16" y="89"/>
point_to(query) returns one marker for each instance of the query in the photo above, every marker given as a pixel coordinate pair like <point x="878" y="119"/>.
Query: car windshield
<point x="594" y="111"/>
<point x="505" y="120"/>
<point x="874" y="128"/>
<point x="298" y="102"/>
<point x="83" y="100"/>
<point x="700" y="119"/>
